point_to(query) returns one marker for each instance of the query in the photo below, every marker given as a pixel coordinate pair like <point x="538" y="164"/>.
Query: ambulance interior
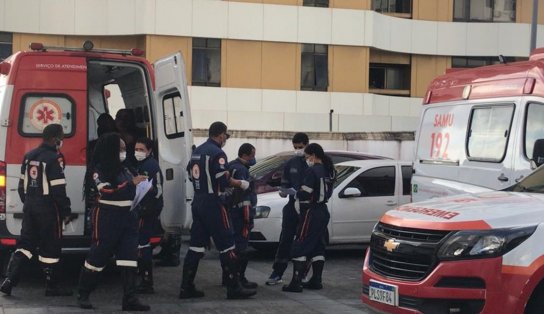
<point x="113" y="86"/>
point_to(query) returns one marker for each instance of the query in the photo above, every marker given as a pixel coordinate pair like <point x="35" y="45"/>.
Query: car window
<point x="378" y="181"/>
<point x="406" y="178"/>
<point x="342" y="173"/>
<point x="268" y="164"/>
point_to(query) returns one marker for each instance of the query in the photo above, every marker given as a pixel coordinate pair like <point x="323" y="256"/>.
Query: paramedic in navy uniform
<point x="309" y="244"/>
<point x="150" y="209"/>
<point x="293" y="174"/>
<point x="208" y="170"/>
<point x="240" y="211"/>
<point x="42" y="189"/>
<point x="115" y="225"/>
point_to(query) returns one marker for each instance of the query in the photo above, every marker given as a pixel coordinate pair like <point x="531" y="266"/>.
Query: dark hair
<point x="301" y="138"/>
<point x="245" y="149"/>
<point x="105" y="124"/>
<point x="52" y="131"/>
<point x="317" y="150"/>
<point x="217" y="128"/>
<point x="106" y="156"/>
<point x="146" y="141"/>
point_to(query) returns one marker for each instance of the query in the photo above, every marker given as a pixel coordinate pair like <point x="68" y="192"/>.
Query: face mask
<point x="122" y="156"/>
<point x="140" y="156"/>
<point x="299" y="152"/>
<point x="251" y="162"/>
<point x="58" y="143"/>
<point x="309" y="162"/>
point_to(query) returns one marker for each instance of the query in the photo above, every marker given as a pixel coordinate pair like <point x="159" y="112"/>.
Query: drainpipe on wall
<point x="330" y="120"/>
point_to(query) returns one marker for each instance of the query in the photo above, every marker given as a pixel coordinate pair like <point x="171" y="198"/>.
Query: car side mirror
<point x="351" y="192"/>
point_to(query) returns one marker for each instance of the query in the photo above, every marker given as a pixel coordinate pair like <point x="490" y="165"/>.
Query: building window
<point x="392" y="6"/>
<point x="6" y="45"/>
<point x="206" y="62"/>
<point x="316" y="3"/>
<point x="314" y="67"/>
<point x="484" y="10"/>
<point x="473" y="62"/>
<point x="389" y="76"/>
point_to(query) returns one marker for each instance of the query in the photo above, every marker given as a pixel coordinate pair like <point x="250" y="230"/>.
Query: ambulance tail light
<point x="4" y="68"/>
<point x="155" y="240"/>
<point x="2" y="189"/>
<point x="8" y="242"/>
<point x="136" y="52"/>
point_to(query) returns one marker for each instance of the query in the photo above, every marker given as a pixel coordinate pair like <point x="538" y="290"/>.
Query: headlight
<point x="483" y="243"/>
<point x="262" y="212"/>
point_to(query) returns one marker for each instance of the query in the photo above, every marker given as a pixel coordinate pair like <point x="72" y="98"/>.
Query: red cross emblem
<point x="44" y="112"/>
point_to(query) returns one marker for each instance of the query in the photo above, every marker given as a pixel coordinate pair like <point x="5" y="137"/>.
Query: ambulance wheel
<point x="536" y="302"/>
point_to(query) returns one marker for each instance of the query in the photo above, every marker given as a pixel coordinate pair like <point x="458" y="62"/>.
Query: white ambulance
<point x="72" y="87"/>
<point x="478" y="129"/>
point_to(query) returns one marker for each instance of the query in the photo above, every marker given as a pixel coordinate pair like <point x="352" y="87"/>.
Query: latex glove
<point x="244" y="185"/>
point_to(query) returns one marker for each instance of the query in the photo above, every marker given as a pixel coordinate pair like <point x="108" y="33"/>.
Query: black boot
<point x="188" y="289"/>
<point x="243" y="280"/>
<point x="130" y="299"/>
<point x="52" y="288"/>
<point x="12" y="274"/>
<point x="234" y="289"/>
<point x="224" y="276"/>
<point x="296" y="282"/>
<point x="87" y="283"/>
<point x="145" y="268"/>
<point x="170" y="257"/>
<point x="315" y="282"/>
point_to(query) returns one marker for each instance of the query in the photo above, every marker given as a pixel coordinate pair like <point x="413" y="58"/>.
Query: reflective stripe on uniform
<point x="229" y="249"/>
<point x="45" y="185"/>
<point x="57" y="182"/>
<point x="321" y="190"/>
<point x="244" y="203"/>
<point x="100" y="186"/>
<point x="197" y="249"/>
<point x="48" y="260"/>
<point x="126" y="263"/>
<point x="144" y="246"/>
<point x="91" y="267"/>
<point x="208" y="177"/>
<point x="116" y="203"/>
<point x="307" y="189"/>
<point x="300" y="259"/>
<point x="25" y="252"/>
<point x="25" y="179"/>
<point x="220" y="174"/>
<point x="318" y="258"/>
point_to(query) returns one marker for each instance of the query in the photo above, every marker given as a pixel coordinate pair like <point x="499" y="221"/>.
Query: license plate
<point x="383" y="293"/>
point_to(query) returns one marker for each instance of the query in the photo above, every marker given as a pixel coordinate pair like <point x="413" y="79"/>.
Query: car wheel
<point x="536" y="302"/>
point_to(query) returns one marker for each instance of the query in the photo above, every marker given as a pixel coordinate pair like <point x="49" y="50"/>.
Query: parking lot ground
<point x="341" y="293"/>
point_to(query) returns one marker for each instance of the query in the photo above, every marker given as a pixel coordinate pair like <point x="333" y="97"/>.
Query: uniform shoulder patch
<point x="33" y="172"/>
<point x="195" y="171"/>
<point x="222" y="161"/>
<point x="95" y="176"/>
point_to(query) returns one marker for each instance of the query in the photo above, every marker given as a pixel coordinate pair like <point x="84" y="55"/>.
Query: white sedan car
<point x="365" y="189"/>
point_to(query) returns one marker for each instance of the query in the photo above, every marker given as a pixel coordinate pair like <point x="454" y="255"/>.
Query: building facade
<point x="291" y="65"/>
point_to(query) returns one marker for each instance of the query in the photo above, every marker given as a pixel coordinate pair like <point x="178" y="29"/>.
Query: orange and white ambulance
<point x="72" y="87"/>
<point x="478" y="129"/>
<point x="482" y="252"/>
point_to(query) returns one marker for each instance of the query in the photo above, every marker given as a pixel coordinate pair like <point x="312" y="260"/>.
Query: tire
<point x="536" y="302"/>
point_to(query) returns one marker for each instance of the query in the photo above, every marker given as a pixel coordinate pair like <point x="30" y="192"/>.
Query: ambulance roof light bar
<point x="88" y="46"/>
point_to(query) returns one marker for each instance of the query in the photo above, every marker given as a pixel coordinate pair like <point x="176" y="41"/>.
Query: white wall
<point x="265" y="22"/>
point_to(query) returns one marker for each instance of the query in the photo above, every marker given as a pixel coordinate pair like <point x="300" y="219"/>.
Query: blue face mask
<point x="251" y="162"/>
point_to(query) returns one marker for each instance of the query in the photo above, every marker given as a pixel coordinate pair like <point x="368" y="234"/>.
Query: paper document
<point x="289" y="191"/>
<point x="141" y="190"/>
<point x="69" y="226"/>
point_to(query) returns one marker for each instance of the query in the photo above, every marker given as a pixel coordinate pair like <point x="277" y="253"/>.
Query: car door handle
<point x="519" y="179"/>
<point x="391" y="203"/>
<point x="502" y="178"/>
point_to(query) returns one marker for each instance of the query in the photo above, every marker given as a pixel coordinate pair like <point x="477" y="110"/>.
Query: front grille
<point x="412" y="258"/>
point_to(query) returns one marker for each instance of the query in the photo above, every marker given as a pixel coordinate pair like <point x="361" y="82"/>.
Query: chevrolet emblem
<point x="391" y="245"/>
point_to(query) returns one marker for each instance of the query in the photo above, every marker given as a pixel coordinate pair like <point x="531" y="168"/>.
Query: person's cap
<point x="217" y="128"/>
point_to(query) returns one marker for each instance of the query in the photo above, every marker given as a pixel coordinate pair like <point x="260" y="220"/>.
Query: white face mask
<point x="59" y="144"/>
<point x="299" y="152"/>
<point x="140" y="156"/>
<point x="122" y="156"/>
<point x="309" y="162"/>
